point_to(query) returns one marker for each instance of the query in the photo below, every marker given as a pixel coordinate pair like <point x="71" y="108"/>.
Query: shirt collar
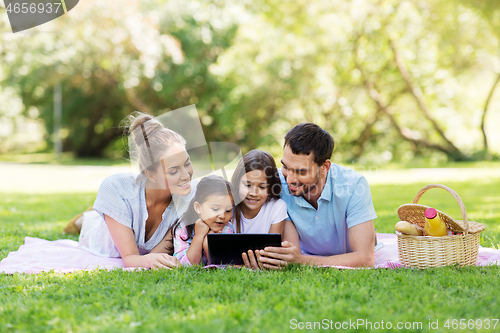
<point x="326" y="194"/>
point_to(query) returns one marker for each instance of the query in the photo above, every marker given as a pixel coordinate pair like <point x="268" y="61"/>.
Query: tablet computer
<point x="226" y="249"/>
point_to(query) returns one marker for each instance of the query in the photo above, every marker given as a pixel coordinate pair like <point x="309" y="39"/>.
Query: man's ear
<point x="326" y="167"/>
<point x="197" y="207"/>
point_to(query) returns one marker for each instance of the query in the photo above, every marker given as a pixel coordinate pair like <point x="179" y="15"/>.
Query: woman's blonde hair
<point x="152" y="140"/>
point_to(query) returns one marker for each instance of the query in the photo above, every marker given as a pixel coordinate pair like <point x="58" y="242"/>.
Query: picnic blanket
<point x="40" y="255"/>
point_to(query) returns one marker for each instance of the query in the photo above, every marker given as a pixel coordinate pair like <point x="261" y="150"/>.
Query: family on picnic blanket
<point x="160" y="217"/>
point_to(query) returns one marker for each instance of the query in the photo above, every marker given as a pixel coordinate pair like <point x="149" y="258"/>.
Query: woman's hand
<point x="124" y="240"/>
<point x="156" y="261"/>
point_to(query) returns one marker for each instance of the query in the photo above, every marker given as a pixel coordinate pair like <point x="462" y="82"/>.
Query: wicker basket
<point x="429" y="251"/>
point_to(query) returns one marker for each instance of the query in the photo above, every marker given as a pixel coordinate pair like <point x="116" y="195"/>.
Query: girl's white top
<point x="271" y="212"/>
<point x="122" y="197"/>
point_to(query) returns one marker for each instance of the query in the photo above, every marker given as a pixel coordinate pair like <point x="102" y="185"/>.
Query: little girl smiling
<point x="257" y="188"/>
<point x="209" y="212"/>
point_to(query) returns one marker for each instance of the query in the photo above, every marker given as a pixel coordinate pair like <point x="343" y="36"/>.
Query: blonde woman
<point x="132" y="213"/>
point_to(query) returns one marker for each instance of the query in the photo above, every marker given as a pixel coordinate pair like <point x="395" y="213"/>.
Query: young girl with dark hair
<point x="257" y="189"/>
<point x="209" y="212"/>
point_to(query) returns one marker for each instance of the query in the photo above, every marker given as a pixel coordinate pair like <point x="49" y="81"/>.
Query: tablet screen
<point x="226" y="249"/>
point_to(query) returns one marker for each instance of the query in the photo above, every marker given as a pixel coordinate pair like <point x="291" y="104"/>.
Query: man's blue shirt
<point x="345" y="201"/>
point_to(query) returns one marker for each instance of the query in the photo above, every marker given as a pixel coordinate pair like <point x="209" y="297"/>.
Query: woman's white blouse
<point x="122" y="197"/>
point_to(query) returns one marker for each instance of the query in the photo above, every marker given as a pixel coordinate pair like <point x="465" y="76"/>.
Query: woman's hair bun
<point x="151" y="138"/>
<point x="143" y="126"/>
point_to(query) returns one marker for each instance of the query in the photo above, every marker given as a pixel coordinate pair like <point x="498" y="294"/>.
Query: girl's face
<point x="254" y="189"/>
<point x="175" y="171"/>
<point x="215" y="211"/>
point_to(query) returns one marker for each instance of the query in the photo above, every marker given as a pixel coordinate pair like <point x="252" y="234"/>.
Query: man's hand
<point x="279" y="257"/>
<point x="272" y="257"/>
<point x="251" y="260"/>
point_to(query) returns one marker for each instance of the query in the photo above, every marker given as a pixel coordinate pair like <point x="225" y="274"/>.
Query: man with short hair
<point x="330" y="205"/>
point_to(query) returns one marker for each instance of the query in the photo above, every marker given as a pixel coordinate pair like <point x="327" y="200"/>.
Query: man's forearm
<point x="352" y="259"/>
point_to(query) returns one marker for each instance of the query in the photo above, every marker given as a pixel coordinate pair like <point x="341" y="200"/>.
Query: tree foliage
<point x="389" y="79"/>
<point x="123" y="58"/>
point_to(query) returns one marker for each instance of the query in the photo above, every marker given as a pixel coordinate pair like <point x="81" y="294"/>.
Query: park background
<point x="408" y="89"/>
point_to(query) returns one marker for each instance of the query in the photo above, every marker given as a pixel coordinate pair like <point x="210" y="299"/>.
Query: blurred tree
<point x="390" y="79"/>
<point x="373" y="72"/>
<point x="113" y="59"/>
<point x="490" y="11"/>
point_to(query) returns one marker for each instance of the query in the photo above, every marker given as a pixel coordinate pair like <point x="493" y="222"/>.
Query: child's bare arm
<point x="205" y="246"/>
<point x="196" y="248"/>
<point x="278" y="228"/>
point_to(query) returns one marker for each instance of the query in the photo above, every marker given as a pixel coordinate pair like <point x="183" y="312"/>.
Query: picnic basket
<point x="429" y="251"/>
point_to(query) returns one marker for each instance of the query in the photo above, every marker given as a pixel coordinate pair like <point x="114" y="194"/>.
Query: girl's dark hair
<point x="209" y="185"/>
<point x="255" y="160"/>
<point x="309" y="138"/>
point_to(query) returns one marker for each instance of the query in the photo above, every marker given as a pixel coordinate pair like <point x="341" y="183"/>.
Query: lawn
<point x="238" y="300"/>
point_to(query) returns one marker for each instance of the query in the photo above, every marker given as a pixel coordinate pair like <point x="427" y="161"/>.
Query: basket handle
<point x="452" y="192"/>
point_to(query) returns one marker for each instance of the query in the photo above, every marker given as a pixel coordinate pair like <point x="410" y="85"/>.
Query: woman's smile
<point x="185" y="185"/>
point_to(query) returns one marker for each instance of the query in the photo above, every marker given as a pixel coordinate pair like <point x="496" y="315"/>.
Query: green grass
<point x="234" y="300"/>
<point x="42" y="216"/>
